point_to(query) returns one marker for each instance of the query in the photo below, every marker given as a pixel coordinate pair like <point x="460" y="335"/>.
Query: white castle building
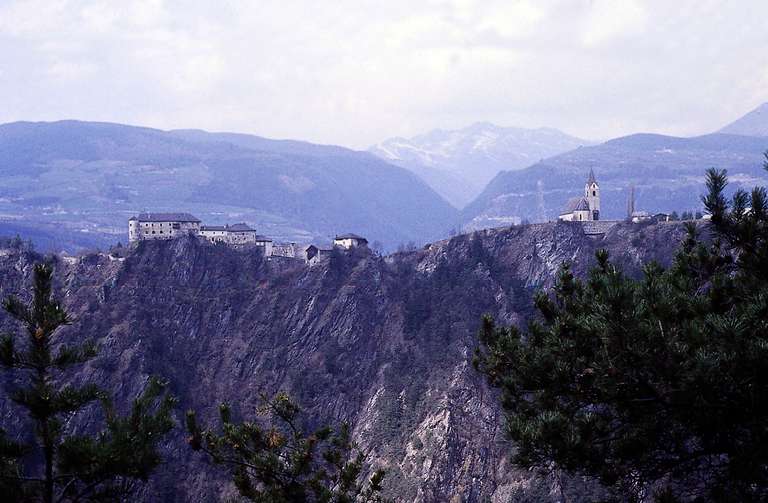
<point x="586" y="208"/>
<point x="349" y="241"/>
<point x="161" y="226"/>
<point x="148" y="226"/>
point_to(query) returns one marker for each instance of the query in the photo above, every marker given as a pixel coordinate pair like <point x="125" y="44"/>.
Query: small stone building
<point x="313" y="254"/>
<point x="161" y="226"/>
<point x="349" y="241"/>
<point x="640" y="216"/>
<point x="241" y="234"/>
<point x="265" y="244"/>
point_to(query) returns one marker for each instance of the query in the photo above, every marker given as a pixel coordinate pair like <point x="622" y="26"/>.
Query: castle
<point x="585" y="208"/>
<point x="154" y="226"/>
<point x="148" y="226"/>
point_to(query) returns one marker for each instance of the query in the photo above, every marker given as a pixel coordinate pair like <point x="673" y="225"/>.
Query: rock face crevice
<point x="382" y="342"/>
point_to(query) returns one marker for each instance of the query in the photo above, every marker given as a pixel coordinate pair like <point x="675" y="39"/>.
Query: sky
<point x="354" y="73"/>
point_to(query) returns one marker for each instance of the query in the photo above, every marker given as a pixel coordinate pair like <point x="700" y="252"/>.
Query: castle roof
<point x="591" y="178"/>
<point x="575" y="204"/>
<point x="263" y="239"/>
<point x="167" y="217"/>
<point x="351" y="236"/>
<point x="213" y="227"/>
<point x="241" y="227"/>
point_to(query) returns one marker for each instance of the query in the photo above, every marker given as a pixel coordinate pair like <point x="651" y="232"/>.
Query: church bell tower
<point x="592" y="195"/>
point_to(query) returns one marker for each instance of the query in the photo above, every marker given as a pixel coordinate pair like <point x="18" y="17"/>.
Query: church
<point x="585" y="208"/>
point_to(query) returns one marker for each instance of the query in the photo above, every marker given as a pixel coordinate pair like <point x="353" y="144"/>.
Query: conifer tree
<point x="272" y="460"/>
<point x="658" y="387"/>
<point x="58" y="466"/>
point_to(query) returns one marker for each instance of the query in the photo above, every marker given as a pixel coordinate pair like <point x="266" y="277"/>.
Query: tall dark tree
<point x="656" y="386"/>
<point x="59" y="466"/>
<point x="273" y="460"/>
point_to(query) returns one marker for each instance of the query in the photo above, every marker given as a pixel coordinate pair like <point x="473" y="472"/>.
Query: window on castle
<point x="594" y="193"/>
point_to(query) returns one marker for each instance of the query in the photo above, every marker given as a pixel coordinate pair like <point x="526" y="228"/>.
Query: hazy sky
<point x="356" y="72"/>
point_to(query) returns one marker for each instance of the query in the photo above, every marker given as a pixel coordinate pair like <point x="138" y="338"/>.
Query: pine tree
<point x="272" y="460"/>
<point x="656" y="386"/>
<point x="66" y="467"/>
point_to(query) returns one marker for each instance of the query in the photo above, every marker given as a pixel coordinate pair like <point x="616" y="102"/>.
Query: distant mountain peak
<point x="457" y="163"/>
<point x="754" y="123"/>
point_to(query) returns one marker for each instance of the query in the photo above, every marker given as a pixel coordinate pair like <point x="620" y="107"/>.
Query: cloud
<point x="71" y="70"/>
<point x="355" y="72"/>
<point x="610" y="19"/>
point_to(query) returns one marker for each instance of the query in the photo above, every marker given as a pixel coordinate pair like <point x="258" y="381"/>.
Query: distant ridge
<point x="79" y="180"/>
<point x="754" y="123"/>
<point x="667" y="173"/>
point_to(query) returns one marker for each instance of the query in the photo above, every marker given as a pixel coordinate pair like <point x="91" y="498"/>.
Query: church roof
<point x="575" y="204"/>
<point x="591" y="178"/>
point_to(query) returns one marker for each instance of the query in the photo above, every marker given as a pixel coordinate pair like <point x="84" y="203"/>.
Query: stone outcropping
<point x="382" y="342"/>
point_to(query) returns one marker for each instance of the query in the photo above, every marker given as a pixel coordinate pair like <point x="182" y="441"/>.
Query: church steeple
<point x="592" y="195"/>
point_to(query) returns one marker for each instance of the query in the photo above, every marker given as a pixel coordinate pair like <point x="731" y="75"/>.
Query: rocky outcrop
<point x="382" y="342"/>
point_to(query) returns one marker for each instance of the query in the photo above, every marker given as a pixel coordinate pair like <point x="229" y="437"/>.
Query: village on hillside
<point x="158" y="226"/>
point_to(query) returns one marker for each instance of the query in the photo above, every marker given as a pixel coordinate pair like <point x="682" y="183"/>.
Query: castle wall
<point x="217" y="236"/>
<point x="164" y="230"/>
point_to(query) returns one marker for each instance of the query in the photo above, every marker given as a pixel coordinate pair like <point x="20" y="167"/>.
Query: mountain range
<point x="459" y="163"/>
<point x="72" y="185"/>
<point x="76" y="183"/>
<point x="667" y="172"/>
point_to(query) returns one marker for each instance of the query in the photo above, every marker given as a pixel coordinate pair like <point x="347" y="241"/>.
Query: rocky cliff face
<point x="384" y="343"/>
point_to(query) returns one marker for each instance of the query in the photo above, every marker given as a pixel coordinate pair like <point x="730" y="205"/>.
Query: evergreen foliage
<point x="658" y="386"/>
<point x="59" y="466"/>
<point x="274" y="461"/>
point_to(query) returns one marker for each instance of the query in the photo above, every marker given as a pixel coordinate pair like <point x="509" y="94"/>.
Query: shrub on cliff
<point x="656" y="386"/>
<point x="273" y="460"/>
<point x="57" y="465"/>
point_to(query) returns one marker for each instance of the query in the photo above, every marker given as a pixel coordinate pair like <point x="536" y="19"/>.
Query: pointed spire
<point x="591" y="178"/>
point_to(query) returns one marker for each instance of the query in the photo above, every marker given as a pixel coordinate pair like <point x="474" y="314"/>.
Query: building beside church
<point x="585" y="208"/>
